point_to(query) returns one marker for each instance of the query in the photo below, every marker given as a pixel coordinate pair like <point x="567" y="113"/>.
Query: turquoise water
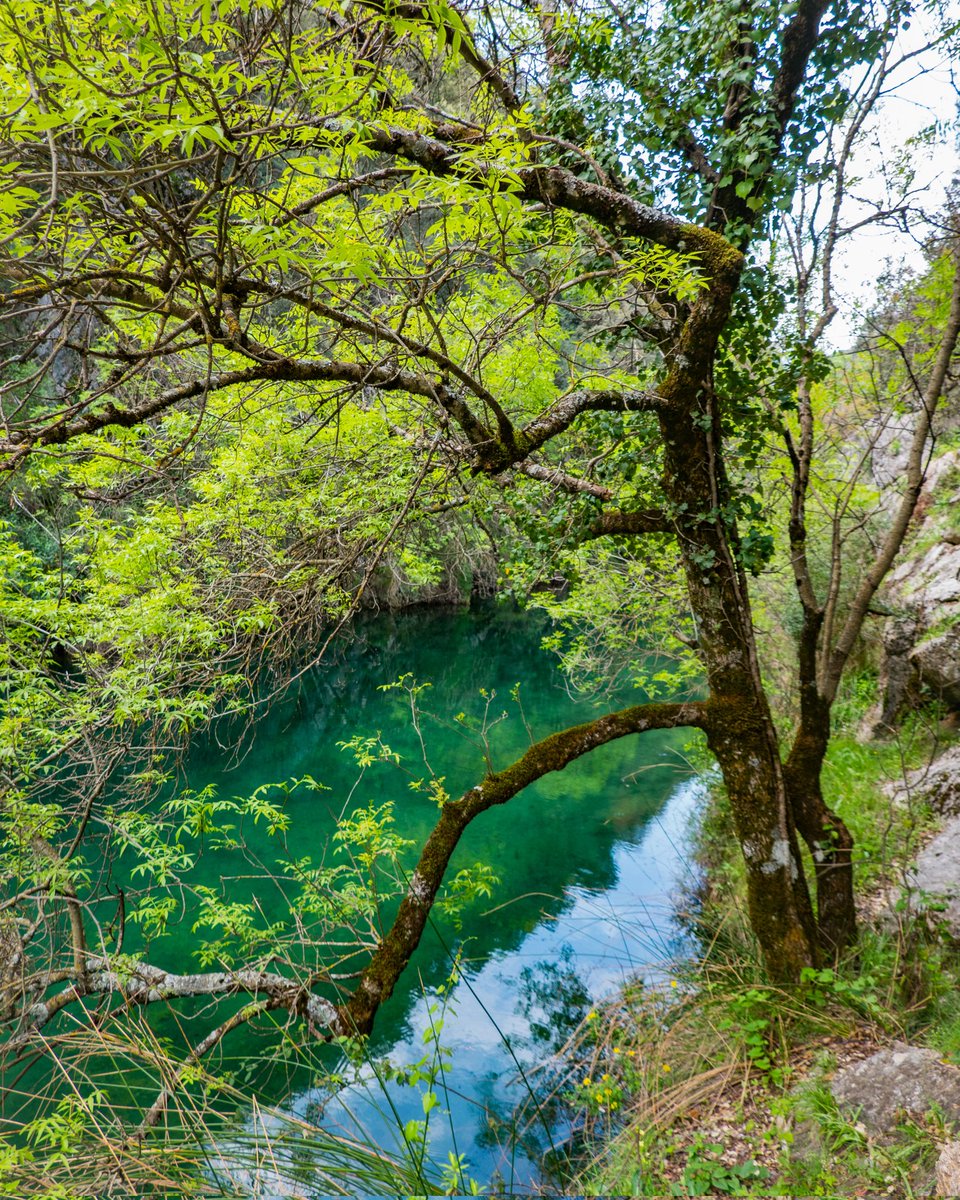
<point x="588" y="861"/>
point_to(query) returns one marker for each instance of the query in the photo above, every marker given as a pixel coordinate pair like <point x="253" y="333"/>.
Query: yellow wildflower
<point x="667" y="1068"/>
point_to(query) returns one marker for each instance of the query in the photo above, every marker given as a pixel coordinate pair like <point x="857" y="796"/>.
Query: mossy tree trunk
<point x="741" y="732"/>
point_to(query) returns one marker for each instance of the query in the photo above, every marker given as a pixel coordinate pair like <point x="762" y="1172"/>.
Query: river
<point x="588" y="861"/>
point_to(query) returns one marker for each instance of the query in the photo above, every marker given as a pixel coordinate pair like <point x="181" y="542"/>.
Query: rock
<point x="948" y="1170"/>
<point x="937" y="876"/>
<point x="943" y="473"/>
<point x="938" y="664"/>
<point x="933" y="885"/>
<point x="937" y="784"/>
<point x="897" y="684"/>
<point x="890" y="454"/>
<point x="930" y="580"/>
<point x="922" y="639"/>
<point x="902" y="1080"/>
<point x="917" y="649"/>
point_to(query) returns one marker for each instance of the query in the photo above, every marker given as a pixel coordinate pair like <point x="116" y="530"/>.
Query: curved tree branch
<point x="383" y="376"/>
<point x="564" y="412"/>
<point x="552" y="754"/>
<point x="143" y="983"/>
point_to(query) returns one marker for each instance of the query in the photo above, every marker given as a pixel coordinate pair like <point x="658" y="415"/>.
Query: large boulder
<point x="937" y="660"/>
<point x="933" y="884"/>
<point x="901" y="1081"/>
<point x="937" y="784"/>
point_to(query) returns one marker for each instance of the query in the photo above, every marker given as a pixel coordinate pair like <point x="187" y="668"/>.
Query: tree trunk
<point x="827" y="837"/>
<point x="781" y="914"/>
<point x="740" y="732"/>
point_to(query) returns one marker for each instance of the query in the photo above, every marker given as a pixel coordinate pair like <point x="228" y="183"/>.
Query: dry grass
<point x="79" y="1140"/>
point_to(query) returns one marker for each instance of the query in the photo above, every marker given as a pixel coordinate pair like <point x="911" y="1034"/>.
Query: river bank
<point x="850" y="1086"/>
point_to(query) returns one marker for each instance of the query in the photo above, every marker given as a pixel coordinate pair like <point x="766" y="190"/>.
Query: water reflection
<point x="508" y="1013"/>
<point x="588" y="861"/>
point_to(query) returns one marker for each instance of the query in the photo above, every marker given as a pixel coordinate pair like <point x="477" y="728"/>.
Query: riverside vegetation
<point x="722" y="1086"/>
<point x="311" y="306"/>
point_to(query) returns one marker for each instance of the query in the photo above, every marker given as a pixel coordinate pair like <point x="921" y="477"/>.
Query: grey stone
<point x="891" y="460"/>
<point x="901" y="1080"/>
<point x="891" y="453"/>
<point x="943" y="472"/>
<point x="938" y="664"/>
<point x="898" y="675"/>
<point x="920" y="642"/>
<point x="948" y="1170"/>
<point x="936" y="784"/>
<point x="937" y="875"/>
<point x="931" y="580"/>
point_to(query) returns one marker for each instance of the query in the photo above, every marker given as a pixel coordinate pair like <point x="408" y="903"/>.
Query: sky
<point x="926" y="93"/>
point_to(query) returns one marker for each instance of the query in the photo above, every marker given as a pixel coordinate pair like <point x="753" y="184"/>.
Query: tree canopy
<point x="296" y="290"/>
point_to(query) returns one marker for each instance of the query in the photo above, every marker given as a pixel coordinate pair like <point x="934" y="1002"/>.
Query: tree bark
<point x="827" y="837"/>
<point x="741" y="733"/>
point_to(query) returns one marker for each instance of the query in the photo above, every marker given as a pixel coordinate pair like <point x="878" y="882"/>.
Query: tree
<point x="457" y="246"/>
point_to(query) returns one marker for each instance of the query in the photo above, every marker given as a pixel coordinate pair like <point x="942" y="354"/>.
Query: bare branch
<point x="564" y="482"/>
<point x="142" y="983"/>
<point x="915" y="475"/>
<point x="170" y="1088"/>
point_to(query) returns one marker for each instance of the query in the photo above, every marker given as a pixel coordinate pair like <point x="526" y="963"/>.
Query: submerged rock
<point x="900" y="1081"/>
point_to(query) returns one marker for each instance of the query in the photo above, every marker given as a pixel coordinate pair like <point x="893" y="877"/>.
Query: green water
<point x="587" y="860"/>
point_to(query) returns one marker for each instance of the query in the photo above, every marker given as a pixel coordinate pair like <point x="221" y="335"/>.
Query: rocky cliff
<point x="921" y="637"/>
